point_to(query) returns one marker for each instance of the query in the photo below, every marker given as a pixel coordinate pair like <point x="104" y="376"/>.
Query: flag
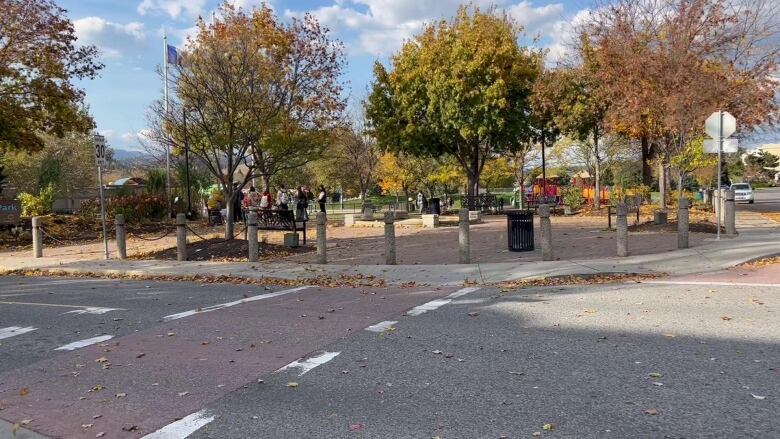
<point x="173" y="55"/>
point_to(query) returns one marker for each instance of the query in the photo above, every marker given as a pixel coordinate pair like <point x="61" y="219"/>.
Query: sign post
<point x="100" y="160"/>
<point x="720" y="125"/>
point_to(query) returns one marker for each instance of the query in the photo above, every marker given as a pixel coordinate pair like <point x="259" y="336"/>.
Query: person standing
<point x="282" y="197"/>
<point x="266" y="200"/>
<point x="237" y="202"/>
<point x="420" y="199"/>
<point x="322" y="198"/>
<point x="301" y="203"/>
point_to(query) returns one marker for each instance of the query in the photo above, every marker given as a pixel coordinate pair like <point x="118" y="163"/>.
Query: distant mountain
<point x="124" y="154"/>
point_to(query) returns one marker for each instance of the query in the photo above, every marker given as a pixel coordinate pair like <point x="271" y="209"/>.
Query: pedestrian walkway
<point x="712" y="255"/>
<point x="754" y="220"/>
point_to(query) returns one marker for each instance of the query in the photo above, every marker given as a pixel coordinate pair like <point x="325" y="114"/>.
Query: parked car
<point x="742" y="192"/>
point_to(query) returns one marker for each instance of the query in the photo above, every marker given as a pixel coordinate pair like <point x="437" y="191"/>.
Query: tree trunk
<point x="680" y="184"/>
<point x="662" y="183"/>
<point x="597" y="189"/>
<point x="267" y="182"/>
<point x="647" y="171"/>
<point x="229" y="220"/>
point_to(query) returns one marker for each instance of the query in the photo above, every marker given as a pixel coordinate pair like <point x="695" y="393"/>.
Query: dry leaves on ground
<point x="578" y="279"/>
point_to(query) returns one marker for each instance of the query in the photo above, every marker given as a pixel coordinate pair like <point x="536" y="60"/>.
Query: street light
<point x="190" y="214"/>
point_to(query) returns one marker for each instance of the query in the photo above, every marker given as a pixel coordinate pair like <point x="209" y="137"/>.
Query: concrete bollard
<point x="682" y="222"/>
<point x="730" y="212"/>
<point x="464" y="244"/>
<point x="390" y="238"/>
<point x="322" y="224"/>
<point x="181" y="237"/>
<point x="251" y="236"/>
<point x="121" y="236"/>
<point x="621" y="224"/>
<point x="546" y="229"/>
<point x="37" y="236"/>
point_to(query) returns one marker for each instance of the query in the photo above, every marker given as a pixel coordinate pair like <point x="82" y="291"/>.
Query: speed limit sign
<point x="100" y="150"/>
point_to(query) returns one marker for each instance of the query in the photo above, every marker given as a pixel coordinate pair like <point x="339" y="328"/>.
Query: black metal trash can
<point x="434" y="206"/>
<point x="520" y="230"/>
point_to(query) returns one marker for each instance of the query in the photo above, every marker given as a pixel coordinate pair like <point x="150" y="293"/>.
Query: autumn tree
<point x="690" y="159"/>
<point x="459" y="88"/>
<point x="252" y="91"/>
<point x="352" y="157"/>
<point x="668" y="64"/>
<point x="39" y="64"/>
<point x="575" y="102"/>
<point x="67" y="164"/>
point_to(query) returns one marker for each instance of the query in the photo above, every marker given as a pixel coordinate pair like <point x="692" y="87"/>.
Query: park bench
<point x="484" y="203"/>
<point x="633" y="203"/>
<point x="277" y="219"/>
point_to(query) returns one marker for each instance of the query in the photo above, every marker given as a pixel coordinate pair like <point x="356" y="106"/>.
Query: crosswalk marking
<point x="438" y="303"/>
<point x="15" y="330"/>
<point x="183" y="427"/>
<point x="229" y="304"/>
<point x="310" y="363"/>
<point x="382" y="326"/>
<point x="83" y="343"/>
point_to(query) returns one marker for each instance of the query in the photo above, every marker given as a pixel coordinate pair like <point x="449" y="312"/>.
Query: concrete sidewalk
<point x="711" y="256"/>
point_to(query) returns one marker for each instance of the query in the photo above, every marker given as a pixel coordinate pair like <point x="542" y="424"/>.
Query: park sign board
<point x="10" y="211"/>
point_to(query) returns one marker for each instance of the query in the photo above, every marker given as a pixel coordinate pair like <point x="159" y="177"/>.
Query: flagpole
<point x="165" y="97"/>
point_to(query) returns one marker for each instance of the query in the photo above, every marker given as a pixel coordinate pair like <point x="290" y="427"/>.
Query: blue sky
<point x="129" y="36"/>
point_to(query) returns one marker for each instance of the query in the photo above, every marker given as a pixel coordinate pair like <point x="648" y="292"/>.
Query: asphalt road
<point x="698" y="357"/>
<point x="766" y="200"/>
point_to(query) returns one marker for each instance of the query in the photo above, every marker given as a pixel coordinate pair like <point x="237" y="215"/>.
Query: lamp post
<point x="190" y="214"/>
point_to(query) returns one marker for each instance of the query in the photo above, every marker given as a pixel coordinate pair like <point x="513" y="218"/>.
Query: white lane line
<point x="438" y="303"/>
<point x="15" y="330"/>
<point x="56" y="305"/>
<point x="381" y="326"/>
<point x="683" y="282"/>
<point x="462" y="292"/>
<point x="92" y="310"/>
<point x="183" y="427"/>
<point x="229" y="304"/>
<point x="83" y="343"/>
<point x="310" y="363"/>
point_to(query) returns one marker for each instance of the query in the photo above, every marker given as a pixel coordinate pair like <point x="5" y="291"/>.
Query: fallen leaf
<point x="121" y="395"/>
<point x="27" y="421"/>
<point x="547" y="427"/>
<point x="140" y="355"/>
<point x="292" y="384"/>
<point x="473" y="314"/>
<point x="24" y="391"/>
<point x="355" y="427"/>
<point x="657" y="384"/>
<point x="759" y="397"/>
<point x="86" y="426"/>
<point x="101" y="360"/>
<point x="651" y="412"/>
<point x="101" y="434"/>
<point x="184" y="393"/>
<point x="171" y="334"/>
<point x="726" y="318"/>
<point x="130" y="428"/>
<point x="655" y="375"/>
<point x="437" y="352"/>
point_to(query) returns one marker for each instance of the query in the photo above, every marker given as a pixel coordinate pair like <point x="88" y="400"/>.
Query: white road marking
<point x="56" y="305"/>
<point x="462" y="292"/>
<point x="438" y="303"/>
<point x="310" y="363"/>
<point x="229" y="304"/>
<point x="684" y="282"/>
<point x="381" y="326"/>
<point x="183" y="427"/>
<point x="92" y="310"/>
<point x="15" y="330"/>
<point x="83" y="343"/>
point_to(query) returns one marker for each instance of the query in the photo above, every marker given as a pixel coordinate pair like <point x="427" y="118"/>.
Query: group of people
<point x="265" y="201"/>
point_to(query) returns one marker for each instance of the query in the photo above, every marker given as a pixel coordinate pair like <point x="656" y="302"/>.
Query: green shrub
<point x="37" y="205"/>
<point x="572" y="197"/>
<point x="135" y="208"/>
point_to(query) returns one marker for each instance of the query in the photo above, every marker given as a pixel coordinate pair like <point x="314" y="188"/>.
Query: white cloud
<point x="381" y="26"/>
<point x="174" y="8"/>
<point x="113" y="39"/>
<point x="563" y="36"/>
